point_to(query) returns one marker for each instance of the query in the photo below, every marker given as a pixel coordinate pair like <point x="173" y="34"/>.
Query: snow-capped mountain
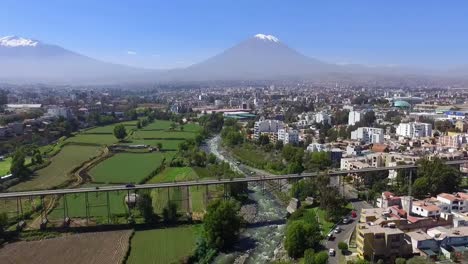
<point x="28" y="60"/>
<point x="259" y="57"/>
<point x="14" y="41"/>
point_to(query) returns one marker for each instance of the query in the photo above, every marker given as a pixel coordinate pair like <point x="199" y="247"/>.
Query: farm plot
<point x="169" y="245"/>
<point x="103" y="247"/>
<point x="5" y="166"/>
<point x="128" y="167"/>
<point x="109" y="129"/>
<point x="96" y="139"/>
<point x="97" y="205"/>
<point x="171" y="135"/>
<point x="58" y="171"/>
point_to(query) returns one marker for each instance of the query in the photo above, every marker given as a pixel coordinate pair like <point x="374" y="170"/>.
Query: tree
<point x="3" y="99"/>
<point x="18" y="167"/>
<point x="222" y="224"/>
<point x="159" y="145"/>
<point x="300" y="236"/>
<point x="170" y="212"/>
<point x="304" y="188"/>
<point x="131" y="114"/>
<point x="400" y="261"/>
<point x="342" y="246"/>
<point x="279" y="145"/>
<point x="321" y="258"/>
<point x="120" y="132"/>
<point x="295" y="167"/>
<point x="181" y="128"/>
<point x="139" y="124"/>
<point x="309" y="256"/>
<point x="263" y="140"/>
<point x="173" y="126"/>
<point x="416" y="260"/>
<point x="434" y="177"/>
<point x="145" y="206"/>
<point x="317" y="161"/>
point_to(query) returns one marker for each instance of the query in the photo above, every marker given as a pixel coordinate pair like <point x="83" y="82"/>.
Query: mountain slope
<point x="259" y="57"/>
<point x="26" y="60"/>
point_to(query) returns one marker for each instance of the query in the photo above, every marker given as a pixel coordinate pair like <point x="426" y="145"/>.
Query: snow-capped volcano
<point x="267" y="37"/>
<point x="14" y="41"/>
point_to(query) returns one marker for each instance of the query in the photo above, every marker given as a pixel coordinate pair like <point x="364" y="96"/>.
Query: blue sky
<point x="166" y="34"/>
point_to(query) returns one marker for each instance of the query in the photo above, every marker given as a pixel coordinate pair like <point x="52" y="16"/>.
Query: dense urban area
<point x="233" y="172"/>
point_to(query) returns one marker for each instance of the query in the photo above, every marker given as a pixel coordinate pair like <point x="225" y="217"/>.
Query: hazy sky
<point x="166" y="34"/>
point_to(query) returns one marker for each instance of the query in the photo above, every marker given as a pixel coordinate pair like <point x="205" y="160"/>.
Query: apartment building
<point x="267" y="127"/>
<point x="368" y="135"/>
<point x="414" y="130"/>
<point x="322" y="117"/>
<point x="354" y="117"/>
<point x="381" y="242"/>
<point x="288" y="136"/>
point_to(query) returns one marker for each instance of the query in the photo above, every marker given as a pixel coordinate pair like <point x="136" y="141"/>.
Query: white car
<point x="331" y="252"/>
<point x="337" y="230"/>
<point x="345" y="221"/>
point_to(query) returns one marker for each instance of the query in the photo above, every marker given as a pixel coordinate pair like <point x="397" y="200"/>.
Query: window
<point x="379" y="236"/>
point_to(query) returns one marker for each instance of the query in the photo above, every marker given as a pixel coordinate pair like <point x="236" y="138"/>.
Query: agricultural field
<point x="109" y="129"/>
<point x="103" y="247"/>
<point x="128" y="167"/>
<point x="96" y="139"/>
<point x="5" y="166"/>
<point x="167" y="144"/>
<point x="161" y="246"/>
<point x="98" y="205"/>
<point x="57" y="172"/>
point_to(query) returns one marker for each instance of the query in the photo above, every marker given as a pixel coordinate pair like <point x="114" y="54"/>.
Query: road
<point x="204" y="182"/>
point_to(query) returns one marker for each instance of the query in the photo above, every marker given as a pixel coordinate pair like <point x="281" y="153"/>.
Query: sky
<point x="171" y="34"/>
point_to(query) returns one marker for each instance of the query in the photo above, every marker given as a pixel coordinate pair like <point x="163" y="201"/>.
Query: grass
<point x="167" y="144"/>
<point x="168" y="245"/>
<point x="255" y="156"/>
<point x="128" y="167"/>
<point x="175" y="174"/>
<point x="58" y="171"/>
<point x="97" y="139"/>
<point x="109" y="129"/>
<point x="322" y="219"/>
<point x="5" y="166"/>
<point x="98" y="205"/>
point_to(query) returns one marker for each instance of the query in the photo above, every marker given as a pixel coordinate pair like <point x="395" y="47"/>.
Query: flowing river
<point x="262" y="241"/>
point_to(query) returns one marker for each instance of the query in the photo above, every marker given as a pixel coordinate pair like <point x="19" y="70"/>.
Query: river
<point x="262" y="241"/>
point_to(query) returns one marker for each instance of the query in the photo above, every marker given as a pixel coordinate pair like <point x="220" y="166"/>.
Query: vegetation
<point x="18" y="167"/>
<point x="145" y="206"/>
<point x="161" y="246"/>
<point x="434" y="177"/>
<point x="302" y="235"/>
<point x="128" y="167"/>
<point x="58" y="171"/>
<point x="120" y="132"/>
<point x="221" y="224"/>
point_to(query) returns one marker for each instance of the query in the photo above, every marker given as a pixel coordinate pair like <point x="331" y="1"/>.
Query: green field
<point x="97" y="202"/>
<point x="169" y="245"/>
<point x="70" y="157"/>
<point x="97" y="139"/>
<point x="109" y="129"/>
<point x="128" y="167"/>
<point x="169" y="145"/>
<point x="5" y="166"/>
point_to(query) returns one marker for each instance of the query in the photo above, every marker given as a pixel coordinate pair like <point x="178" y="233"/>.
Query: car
<point x="238" y="163"/>
<point x="330" y="236"/>
<point x="130" y="185"/>
<point x="331" y="252"/>
<point x="345" y="220"/>
<point x="337" y="230"/>
<point x="353" y="214"/>
<point x="97" y="187"/>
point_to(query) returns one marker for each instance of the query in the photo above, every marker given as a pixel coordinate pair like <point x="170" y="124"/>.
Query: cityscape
<point x="260" y="150"/>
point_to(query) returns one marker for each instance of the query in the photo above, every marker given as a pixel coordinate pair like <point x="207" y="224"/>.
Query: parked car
<point x="345" y="220"/>
<point x="331" y="252"/>
<point x="353" y="214"/>
<point x="330" y="236"/>
<point x="337" y="230"/>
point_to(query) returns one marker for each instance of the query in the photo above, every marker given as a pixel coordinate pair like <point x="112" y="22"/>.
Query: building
<point x="354" y="117"/>
<point x="288" y="136"/>
<point x="57" y="111"/>
<point x="268" y="127"/>
<point x="455" y="202"/>
<point x="423" y="244"/>
<point x="453" y="242"/>
<point x="317" y="147"/>
<point x="461" y="125"/>
<point x="368" y="135"/>
<point x="414" y="130"/>
<point x="381" y="242"/>
<point x="323" y="118"/>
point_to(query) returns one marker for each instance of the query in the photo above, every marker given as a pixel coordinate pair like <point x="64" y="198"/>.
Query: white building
<point x="368" y="135"/>
<point x="288" y="136"/>
<point x="414" y="130"/>
<point x="58" y="111"/>
<point x="267" y="126"/>
<point x="323" y="118"/>
<point x="354" y="117"/>
<point x="317" y="147"/>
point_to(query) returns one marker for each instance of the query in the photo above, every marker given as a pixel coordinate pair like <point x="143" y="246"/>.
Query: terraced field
<point x="128" y="167"/>
<point x="58" y="171"/>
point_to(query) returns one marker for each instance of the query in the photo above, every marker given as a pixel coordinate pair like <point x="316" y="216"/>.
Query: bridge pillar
<point x="87" y="208"/>
<point x="108" y="207"/>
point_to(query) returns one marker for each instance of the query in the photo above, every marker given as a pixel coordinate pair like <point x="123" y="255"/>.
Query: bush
<point x="343" y="246"/>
